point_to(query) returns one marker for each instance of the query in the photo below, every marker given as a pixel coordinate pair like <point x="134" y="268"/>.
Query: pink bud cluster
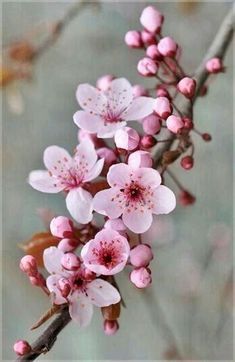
<point x="140" y="257"/>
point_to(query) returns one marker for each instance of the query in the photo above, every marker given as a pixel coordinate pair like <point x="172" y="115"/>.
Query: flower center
<point x="107" y="254"/>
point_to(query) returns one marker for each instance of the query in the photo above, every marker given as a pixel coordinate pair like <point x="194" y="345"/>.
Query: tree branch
<point x="218" y="48"/>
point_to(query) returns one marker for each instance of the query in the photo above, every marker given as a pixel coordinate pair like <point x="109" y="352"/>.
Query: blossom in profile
<point x="107" y="253"/>
<point x="104" y="112"/>
<point x="70" y="174"/>
<point x="76" y="289"/>
<point x="135" y="194"/>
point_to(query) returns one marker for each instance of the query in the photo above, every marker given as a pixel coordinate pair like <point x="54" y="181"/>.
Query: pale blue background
<point x="93" y="45"/>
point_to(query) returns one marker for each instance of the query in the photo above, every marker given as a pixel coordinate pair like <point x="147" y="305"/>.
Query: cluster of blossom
<point x="116" y="179"/>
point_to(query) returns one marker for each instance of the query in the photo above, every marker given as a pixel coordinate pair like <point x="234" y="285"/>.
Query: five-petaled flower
<point x="107" y="253"/>
<point x="104" y="112"/>
<point x="135" y="194"/>
<point x="69" y="174"/>
<point x="74" y="288"/>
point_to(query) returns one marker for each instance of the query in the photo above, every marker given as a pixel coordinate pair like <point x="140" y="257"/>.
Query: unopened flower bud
<point x="153" y="52"/>
<point x="67" y="245"/>
<point x="206" y="137"/>
<point x="138" y="91"/>
<point x="151" y="19"/>
<point x="21" y="347"/>
<point x="147" y="142"/>
<point x="140" y="159"/>
<point x="162" y="92"/>
<point x="188" y="123"/>
<point x="115" y="224"/>
<point x="127" y="138"/>
<point x="147" y="67"/>
<point x="61" y="227"/>
<point x="162" y="107"/>
<point x="186" y="199"/>
<point x="151" y="124"/>
<point x="28" y="265"/>
<point x="214" y="65"/>
<point x="167" y="47"/>
<point x="187" y="87"/>
<point x="187" y="162"/>
<point x="174" y="123"/>
<point x="108" y="155"/>
<point x="70" y="261"/>
<point x="110" y="327"/>
<point x="64" y="286"/>
<point x="141" y="255"/>
<point x="88" y="275"/>
<point x="141" y="277"/>
<point x="133" y="39"/>
<point x="103" y="83"/>
<point x="148" y="38"/>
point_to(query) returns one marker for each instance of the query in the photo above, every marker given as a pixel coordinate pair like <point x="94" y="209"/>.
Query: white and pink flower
<point x="70" y="174"/>
<point x="107" y="253"/>
<point x="74" y="288"/>
<point x="104" y="112"/>
<point x="135" y="194"/>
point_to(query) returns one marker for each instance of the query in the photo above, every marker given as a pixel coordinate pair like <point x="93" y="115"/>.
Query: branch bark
<point x="217" y="49"/>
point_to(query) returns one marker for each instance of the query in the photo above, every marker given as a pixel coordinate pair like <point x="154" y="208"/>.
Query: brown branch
<point x="218" y="48"/>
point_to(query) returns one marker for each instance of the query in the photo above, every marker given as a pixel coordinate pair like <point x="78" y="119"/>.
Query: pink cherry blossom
<point x="74" y="288"/>
<point x="107" y="253"/>
<point x="135" y="194"/>
<point x="104" y="112"/>
<point x="66" y="173"/>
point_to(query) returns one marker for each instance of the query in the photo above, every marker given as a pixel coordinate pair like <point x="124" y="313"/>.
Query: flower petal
<point x="88" y="122"/>
<point x="120" y="95"/>
<point x="137" y="221"/>
<point x="102" y="293"/>
<point x="119" y="175"/>
<point x="52" y="260"/>
<point x="79" y="204"/>
<point x="108" y="130"/>
<point x="57" y="160"/>
<point x="80" y="309"/>
<point x="141" y="107"/>
<point x="104" y="204"/>
<point x="85" y="153"/>
<point x="148" y="176"/>
<point x="164" y="200"/>
<point x="41" y="180"/>
<point x="52" y="281"/>
<point x="91" y="99"/>
<point x="95" y="171"/>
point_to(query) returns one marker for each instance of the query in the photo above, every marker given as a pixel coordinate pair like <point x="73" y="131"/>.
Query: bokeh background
<point x="189" y="303"/>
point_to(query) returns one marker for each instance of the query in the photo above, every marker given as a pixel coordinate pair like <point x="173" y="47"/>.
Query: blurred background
<point x="187" y="312"/>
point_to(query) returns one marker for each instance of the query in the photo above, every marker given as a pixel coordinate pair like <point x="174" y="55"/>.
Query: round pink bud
<point x="214" y="65"/>
<point x="127" y="138"/>
<point x="108" y="155"/>
<point x="174" y="123"/>
<point x="70" y="261"/>
<point x="67" y="245"/>
<point x="162" y="92"/>
<point x="151" y="124"/>
<point x="28" y="265"/>
<point x="141" y="255"/>
<point x="187" y="162"/>
<point x="188" y="123"/>
<point x="167" y="47"/>
<point x="153" y="52"/>
<point x="151" y="19"/>
<point x="115" y="224"/>
<point x="162" y="107"/>
<point x="110" y="327"/>
<point x="148" y="38"/>
<point x="138" y="91"/>
<point x="61" y="227"/>
<point x="147" y="141"/>
<point x="103" y="83"/>
<point x="64" y="286"/>
<point x="140" y="159"/>
<point x="147" y="67"/>
<point x="141" y="277"/>
<point x="206" y="137"/>
<point x="133" y="39"/>
<point x="21" y="347"/>
<point x="187" y="87"/>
